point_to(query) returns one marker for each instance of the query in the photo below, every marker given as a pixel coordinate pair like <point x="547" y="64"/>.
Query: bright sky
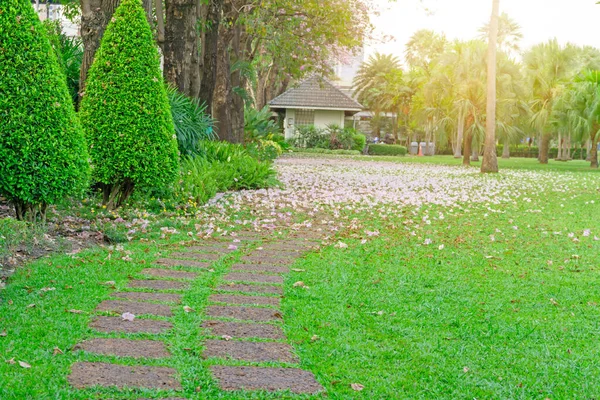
<point x="573" y="21"/>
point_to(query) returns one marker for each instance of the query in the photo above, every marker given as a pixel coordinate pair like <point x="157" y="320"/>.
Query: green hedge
<point x="326" y="151"/>
<point x="43" y="155"/>
<point x="387" y="150"/>
<point x="125" y="110"/>
<point x="360" y="141"/>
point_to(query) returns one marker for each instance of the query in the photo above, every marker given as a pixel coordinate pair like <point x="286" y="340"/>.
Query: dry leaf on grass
<point x="357" y="386"/>
<point x="23" y="364"/>
<point x="57" y="351"/>
<point x="128" y="316"/>
<point x="3" y="333"/>
<point x="298" y="270"/>
<point x="226" y="337"/>
<point x="11" y="361"/>
<point x="73" y="311"/>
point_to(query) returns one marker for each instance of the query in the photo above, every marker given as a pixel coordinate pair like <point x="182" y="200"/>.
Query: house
<point x="315" y="101"/>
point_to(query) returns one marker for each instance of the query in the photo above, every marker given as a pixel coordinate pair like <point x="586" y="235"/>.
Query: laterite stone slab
<point x="135" y="307"/>
<point x="118" y="324"/>
<point x="268" y="379"/>
<point x="267" y="260"/>
<point x="249" y="351"/>
<point x="86" y="374"/>
<point x="244" y="330"/>
<point x="244" y="313"/>
<point x="275" y="269"/>
<point x="246" y="288"/>
<point x="198" y="256"/>
<point x="256" y="278"/>
<point x="247" y="300"/>
<point x="172" y="262"/>
<point x="125" y="348"/>
<point x="158" y="284"/>
<point x="166" y="273"/>
<point x="145" y="296"/>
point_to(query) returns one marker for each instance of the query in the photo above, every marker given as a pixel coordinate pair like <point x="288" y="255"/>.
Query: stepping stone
<point x="210" y="249"/>
<point x="86" y="374"/>
<point x="158" y="284"/>
<point x="257" y="278"/>
<point x="199" y="256"/>
<point x="269" y="379"/>
<point x="269" y="253"/>
<point x="277" y="269"/>
<point x="171" y="262"/>
<point x="118" y="324"/>
<point x="249" y="351"/>
<point x="165" y="273"/>
<point x="245" y="288"/>
<point x="144" y="296"/>
<point x="248" y="300"/>
<point x="268" y="260"/>
<point x="244" y="330"/>
<point x="125" y="348"/>
<point x="135" y="307"/>
<point x="244" y="313"/>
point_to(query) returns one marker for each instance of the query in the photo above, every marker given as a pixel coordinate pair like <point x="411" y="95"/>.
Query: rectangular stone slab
<point x="267" y="260"/>
<point x="166" y="273"/>
<point x="135" y="307"/>
<point x="244" y="313"/>
<point x="172" y="262"/>
<point x="158" y="284"/>
<point x="198" y="256"/>
<point x="276" y="269"/>
<point x="248" y="300"/>
<point x="243" y="330"/>
<point x="117" y="324"/>
<point x="249" y="351"/>
<point x="86" y="374"/>
<point x="257" y="278"/>
<point x="145" y="296"/>
<point x="246" y="288"/>
<point x="269" y="379"/>
<point x="125" y="348"/>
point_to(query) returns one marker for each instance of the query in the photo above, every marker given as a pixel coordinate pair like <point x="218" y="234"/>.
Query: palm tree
<point x="549" y="67"/>
<point x="490" y="161"/>
<point x="372" y="83"/>
<point x="509" y="34"/>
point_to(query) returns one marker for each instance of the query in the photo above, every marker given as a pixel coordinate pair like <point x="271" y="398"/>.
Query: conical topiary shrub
<point x="125" y="110"/>
<point x="43" y="155"/>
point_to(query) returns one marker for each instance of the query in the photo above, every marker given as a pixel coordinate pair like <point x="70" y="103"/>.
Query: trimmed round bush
<point x="387" y="150"/>
<point x="43" y="156"/>
<point x="125" y="110"/>
<point x="360" y="141"/>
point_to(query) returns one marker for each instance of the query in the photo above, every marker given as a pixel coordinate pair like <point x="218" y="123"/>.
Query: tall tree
<point x="490" y="160"/>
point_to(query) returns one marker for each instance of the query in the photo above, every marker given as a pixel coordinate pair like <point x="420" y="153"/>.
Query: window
<point x="305" y="117"/>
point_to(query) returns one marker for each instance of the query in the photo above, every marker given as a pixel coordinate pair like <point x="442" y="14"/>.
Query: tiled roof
<point x="316" y="92"/>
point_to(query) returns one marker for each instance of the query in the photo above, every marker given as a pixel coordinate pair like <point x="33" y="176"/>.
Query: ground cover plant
<point x="463" y="285"/>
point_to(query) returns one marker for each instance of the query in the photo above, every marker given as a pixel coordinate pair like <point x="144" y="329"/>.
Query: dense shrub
<point x="310" y="137"/>
<point x="387" y="150"/>
<point x="69" y="52"/>
<point x="221" y="167"/>
<point x="340" y="139"/>
<point x="360" y="141"/>
<point x="43" y="154"/>
<point x="125" y="110"/>
<point x="192" y="123"/>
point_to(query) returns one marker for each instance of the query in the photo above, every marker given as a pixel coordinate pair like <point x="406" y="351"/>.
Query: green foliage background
<point x="43" y="155"/>
<point x="125" y="110"/>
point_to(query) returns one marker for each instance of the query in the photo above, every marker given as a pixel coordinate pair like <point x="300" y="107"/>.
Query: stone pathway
<point x="243" y="319"/>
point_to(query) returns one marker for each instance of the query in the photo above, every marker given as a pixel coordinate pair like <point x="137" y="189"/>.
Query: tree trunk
<point x="506" y="149"/>
<point x="147" y="4"/>
<point x="459" y="136"/>
<point x="223" y="95"/>
<point x="594" y="150"/>
<point x="559" y="156"/>
<point x="467" y="149"/>
<point x="475" y="153"/>
<point x="95" y="15"/>
<point x="490" y="158"/>
<point x="181" y="44"/>
<point x="209" y="53"/>
<point x="588" y="148"/>
<point x="544" y="148"/>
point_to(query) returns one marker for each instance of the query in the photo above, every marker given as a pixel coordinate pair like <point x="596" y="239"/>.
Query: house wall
<point x="322" y="119"/>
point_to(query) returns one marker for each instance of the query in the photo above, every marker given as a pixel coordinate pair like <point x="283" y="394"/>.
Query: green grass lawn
<point x="482" y="301"/>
